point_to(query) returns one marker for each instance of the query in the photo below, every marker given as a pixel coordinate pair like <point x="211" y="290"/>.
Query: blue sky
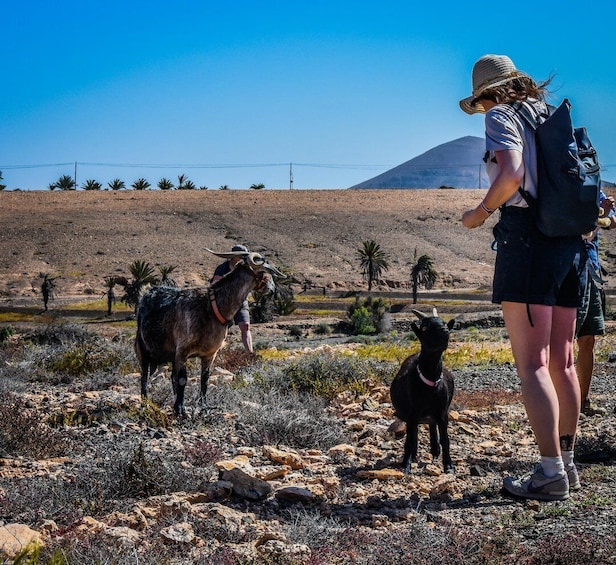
<point x="344" y="90"/>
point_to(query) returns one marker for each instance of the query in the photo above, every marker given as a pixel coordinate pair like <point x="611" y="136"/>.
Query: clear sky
<point x="231" y="93"/>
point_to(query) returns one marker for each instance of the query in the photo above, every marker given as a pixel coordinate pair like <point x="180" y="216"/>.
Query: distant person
<point x="47" y="289"/>
<point x="537" y="280"/>
<point x="591" y="315"/>
<point x="242" y="317"/>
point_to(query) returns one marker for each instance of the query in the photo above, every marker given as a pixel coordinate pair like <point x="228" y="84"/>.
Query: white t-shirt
<point x="507" y="130"/>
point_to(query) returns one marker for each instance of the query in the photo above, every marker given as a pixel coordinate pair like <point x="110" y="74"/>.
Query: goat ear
<point x="451" y="323"/>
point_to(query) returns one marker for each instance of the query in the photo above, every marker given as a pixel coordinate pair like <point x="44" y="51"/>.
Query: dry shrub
<point x="23" y="431"/>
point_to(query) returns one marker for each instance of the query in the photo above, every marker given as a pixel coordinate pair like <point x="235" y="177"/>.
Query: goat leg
<point x="206" y="366"/>
<point x="435" y="448"/>
<point x="179" y="384"/>
<point x="447" y="463"/>
<point x="410" y="447"/>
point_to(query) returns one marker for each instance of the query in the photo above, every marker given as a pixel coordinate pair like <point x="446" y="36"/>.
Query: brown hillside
<point x="83" y="237"/>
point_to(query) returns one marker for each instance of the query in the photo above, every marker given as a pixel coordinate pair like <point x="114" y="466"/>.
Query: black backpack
<point x="568" y="174"/>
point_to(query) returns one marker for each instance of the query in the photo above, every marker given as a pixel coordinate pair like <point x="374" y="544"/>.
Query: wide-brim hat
<point x="488" y="72"/>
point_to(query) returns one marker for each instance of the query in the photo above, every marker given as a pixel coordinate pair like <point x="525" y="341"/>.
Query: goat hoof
<point x="450" y="470"/>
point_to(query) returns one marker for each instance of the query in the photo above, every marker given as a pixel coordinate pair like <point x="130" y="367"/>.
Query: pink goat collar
<point x="428" y="381"/>
<point x="217" y="313"/>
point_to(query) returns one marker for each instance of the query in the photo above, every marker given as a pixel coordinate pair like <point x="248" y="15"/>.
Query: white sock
<point x="567" y="458"/>
<point x="552" y="465"/>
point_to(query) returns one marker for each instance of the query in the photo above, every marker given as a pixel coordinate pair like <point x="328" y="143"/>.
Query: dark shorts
<point x="590" y="316"/>
<point x="533" y="269"/>
<point x="243" y="314"/>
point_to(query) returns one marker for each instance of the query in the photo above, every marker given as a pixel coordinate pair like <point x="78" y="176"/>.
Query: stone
<point x="295" y="494"/>
<point x="380" y="474"/>
<point x="181" y="533"/>
<point x="246" y="486"/>
<point x="15" y="538"/>
<point x="289" y="458"/>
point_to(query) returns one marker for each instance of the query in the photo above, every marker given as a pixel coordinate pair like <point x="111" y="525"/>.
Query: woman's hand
<point x="474" y="218"/>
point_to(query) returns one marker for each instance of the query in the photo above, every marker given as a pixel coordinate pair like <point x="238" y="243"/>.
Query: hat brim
<point x="466" y="103"/>
<point x="467" y="106"/>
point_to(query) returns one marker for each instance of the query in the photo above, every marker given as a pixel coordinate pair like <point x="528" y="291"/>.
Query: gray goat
<point x="422" y="390"/>
<point x="176" y="324"/>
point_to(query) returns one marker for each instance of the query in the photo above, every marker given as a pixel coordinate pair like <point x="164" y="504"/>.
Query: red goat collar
<point x="428" y="381"/>
<point x="217" y="313"/>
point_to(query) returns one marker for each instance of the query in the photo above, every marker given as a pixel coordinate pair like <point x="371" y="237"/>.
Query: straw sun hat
<point x="488" y="72"/>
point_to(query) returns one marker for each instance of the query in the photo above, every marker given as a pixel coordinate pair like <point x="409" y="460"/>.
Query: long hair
<point x="518" y="88"/>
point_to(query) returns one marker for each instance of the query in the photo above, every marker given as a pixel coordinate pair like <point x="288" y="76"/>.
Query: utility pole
<point x="75" y="177"/>
<point x="290" y="176"/>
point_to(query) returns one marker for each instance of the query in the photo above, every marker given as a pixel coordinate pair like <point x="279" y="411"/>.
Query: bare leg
<point x="532" y="347"/>
<point x="246" y="336"/>
<point x="585" y="364"/>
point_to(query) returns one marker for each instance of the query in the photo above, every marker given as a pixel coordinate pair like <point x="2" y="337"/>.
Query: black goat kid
<point x="422" y="391"/>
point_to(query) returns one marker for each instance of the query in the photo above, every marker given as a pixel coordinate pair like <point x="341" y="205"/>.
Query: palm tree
<point x="116" y="184"/>
<point x="373" y="261"/>
<point x="189" y="185"/>
<point x="203" y="187"/>
<point x="181" y="180"/>
<point x="141" y="184"/>
<point x="65" y="182"/>
<point x="165" y="271"/>
<point x="422" y="274"/>
<point x="2" y="186"/>
<point x="165" y="184"/>
<point x="143" y="274"/>
<point x="257" y="186"/>
<point x="223" y="187"/>
<point x="110" y="283"/>
<point x="91" y="184"/>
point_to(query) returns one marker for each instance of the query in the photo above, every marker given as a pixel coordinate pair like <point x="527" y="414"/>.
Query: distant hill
<point x="456" y="164"/>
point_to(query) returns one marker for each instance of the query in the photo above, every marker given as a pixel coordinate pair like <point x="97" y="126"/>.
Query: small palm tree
<point x="2" y="186"/>
<point x="181" y="180"/>
<point x="165" y="271"/>
<point x="116" y="184"/>
<point x="143" y="275"/>
<point x="223" y="187"/>
<point x="373" y="261"/>
<point x="203" y="187"/>
<point x="141" y="184"/>
<point x="110" y="283"/>
<point x="189" y="185"/>
<point x="65" y="182"/>
<point x="257" y="186"/>
<point x="165" y="184"/>
<point x="91" y="184"/>
<point x="422" y="274"/>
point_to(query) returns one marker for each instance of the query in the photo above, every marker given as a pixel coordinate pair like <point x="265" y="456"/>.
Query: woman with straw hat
<point x="536" y="279"/>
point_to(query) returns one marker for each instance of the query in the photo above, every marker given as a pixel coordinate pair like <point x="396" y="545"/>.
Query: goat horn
<point x="419" y="314"/>
<point x="434" y="314"/>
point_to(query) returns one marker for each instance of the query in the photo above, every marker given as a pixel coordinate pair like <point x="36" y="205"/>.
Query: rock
<point x="289" y="458"/>
<point x="296" y="494"/>
<point x="181" y="533"/>
<point x="380" y="474"/>
<point x="246" y="486"/>
<point x="341" y="449"/>
<point x="15" y="538"/>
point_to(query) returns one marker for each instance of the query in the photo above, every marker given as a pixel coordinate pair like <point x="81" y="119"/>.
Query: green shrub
<point x="370" y="316"/>
<point x="6" y="332"/>
<point x="322" y="329"/>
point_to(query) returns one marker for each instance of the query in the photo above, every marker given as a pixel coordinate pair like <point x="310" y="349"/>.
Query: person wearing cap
<point x="242" y="317"/>
<point x="537" y="280"/>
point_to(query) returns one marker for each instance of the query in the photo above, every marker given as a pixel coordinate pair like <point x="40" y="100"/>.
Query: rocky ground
<point x="137" y="486"/>
<point x="271" y="502"/>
